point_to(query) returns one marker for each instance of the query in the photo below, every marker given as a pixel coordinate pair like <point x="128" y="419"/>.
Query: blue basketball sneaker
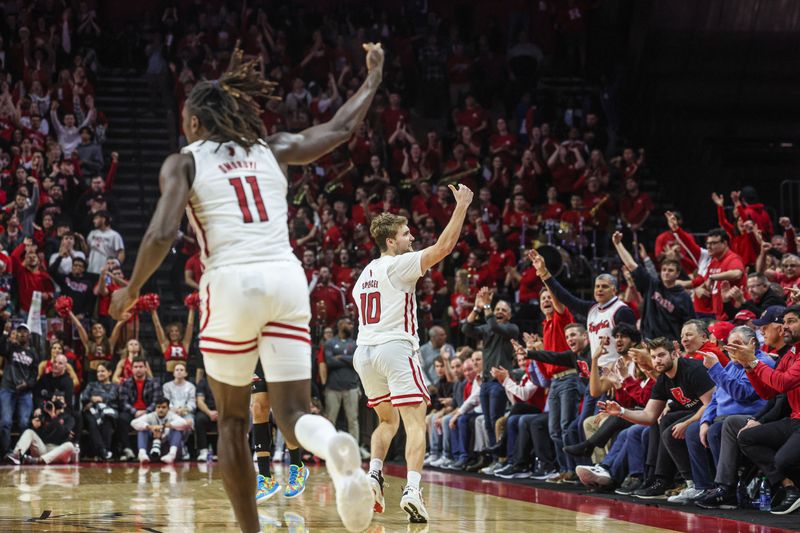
<point x="267" y="487"/>
<point x="296" y="483"/>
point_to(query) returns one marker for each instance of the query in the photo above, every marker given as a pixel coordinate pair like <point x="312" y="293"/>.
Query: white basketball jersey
<point x="386" y="300"/>
<point x="599" y="323"/>
<point x="238" y="204"/>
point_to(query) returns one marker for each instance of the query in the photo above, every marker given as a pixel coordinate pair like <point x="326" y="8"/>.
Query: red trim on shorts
<point x="417" y="380"/>
<point x="287" y="326"/>
<point x="208" y="308"/>
<point x="401" y="396"/>
<point x="203" y="239"/>
<point x="415" y="402"/>
<point x="232" y="343"/>
<point x="285" y="336"/>
<point x="373" y="404"/>
<point x="214" y="350"/>
<point x="379" y="397"/>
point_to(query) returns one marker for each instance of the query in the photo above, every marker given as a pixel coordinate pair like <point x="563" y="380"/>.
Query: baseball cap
<point x="721" y="330"/>
<point x="744" y="315"/>
<point x="772" y="314"/>
<point x="24" y="326"/>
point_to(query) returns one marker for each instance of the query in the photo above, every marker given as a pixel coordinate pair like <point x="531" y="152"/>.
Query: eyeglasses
<point x="712" y="243"/>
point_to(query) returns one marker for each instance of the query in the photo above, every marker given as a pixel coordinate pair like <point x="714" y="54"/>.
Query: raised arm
<point x="189" y="333"/>
<point x="624" y="254"/>
<point x="160" y="336"/>
<point x="175" y="179"/>
<point x="432" y="255"/>
<point x="310" y="144"/>
<point x="81" y="330"/>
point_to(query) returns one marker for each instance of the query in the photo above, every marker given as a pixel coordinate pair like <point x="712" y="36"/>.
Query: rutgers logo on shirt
<point x="681" y="398"/>
<point x="599" y="326"/>
<point x="583" y="368"/>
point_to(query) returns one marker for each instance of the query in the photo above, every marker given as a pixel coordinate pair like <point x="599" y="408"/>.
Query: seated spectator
<point x="734" y="396"/>
<point x="21" y="359"/>
<point x="695" y="340"/>
<point x="181" y="395"/>
<point x="101" y="405"/>
<point x="432" y="350"/>
<point x="459" y="422"/>
<point x="157" y="427"/>
<point x="139" y="396"/>
<point x="684" y="382"/>
<point x="124" y="369"/>
<point x="773" y="446"/>
<point x="56" y="381"/>
<point x="761" y="296"/>
<point x="206" y="417"/>
<point x="48" y="440"/>
<point x="438" y="420"/>
<point x="771" y="326"/>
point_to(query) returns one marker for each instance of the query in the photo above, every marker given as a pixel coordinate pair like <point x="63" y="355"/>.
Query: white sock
<point x="413" y="479"/>
<point x="314" y="432"/>
<point x="375" y="465"/>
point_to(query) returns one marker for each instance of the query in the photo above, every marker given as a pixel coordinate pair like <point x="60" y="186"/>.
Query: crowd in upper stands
<point x="677" y="379"/>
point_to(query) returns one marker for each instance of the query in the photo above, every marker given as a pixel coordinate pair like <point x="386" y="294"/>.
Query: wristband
<point x="476" y="309"/>
<point x="622" y="411"/>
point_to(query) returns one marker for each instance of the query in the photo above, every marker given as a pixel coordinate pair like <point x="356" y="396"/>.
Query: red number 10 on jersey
<point x="370" y="307"/>
<point x="238" y="186"/>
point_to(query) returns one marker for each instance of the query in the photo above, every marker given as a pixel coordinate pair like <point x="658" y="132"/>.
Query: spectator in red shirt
<point x="565" y="166"/>
<point x="327" y="302"/>
<point x="490" y="213"/>
<point x="462" y="300"/>
<point x="30" y="278"/>
<point x="193" y="271"/>
<point x="725" y="266"/>
<point x="553" y="209"/>
<point x="394" y="114"/>
<point x="576" y="215"/>
<point x="635" y="206"/>
<point x="474" y="116"/>
<point x="743" y="239"/>
<point x="517" y="219"/>
<point x="750" y="209"/>
<point x="504" y="144"/>
<point x="529" y="174"/>
<point x="695" y="340"/>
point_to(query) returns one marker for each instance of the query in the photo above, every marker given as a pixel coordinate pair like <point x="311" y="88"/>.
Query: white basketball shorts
<point x="252" y="311"/>
<point x="391" y="372"/>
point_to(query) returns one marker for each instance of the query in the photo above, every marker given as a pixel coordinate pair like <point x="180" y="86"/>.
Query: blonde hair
<point x="385" y="226"/>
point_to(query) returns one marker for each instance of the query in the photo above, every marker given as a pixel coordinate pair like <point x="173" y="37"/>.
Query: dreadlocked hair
<point x="229" y="107"/>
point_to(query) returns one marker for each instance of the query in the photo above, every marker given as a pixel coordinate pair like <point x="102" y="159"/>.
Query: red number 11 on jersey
<point x="237" y="185"/>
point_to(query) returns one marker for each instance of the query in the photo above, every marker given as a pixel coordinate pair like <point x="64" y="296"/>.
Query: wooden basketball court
<point x="190" y="497"/>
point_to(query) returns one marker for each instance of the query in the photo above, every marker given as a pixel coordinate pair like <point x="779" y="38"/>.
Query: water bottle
<point x="210" y="456"/>
<point x="76" y="454"/>
<point x="765" y="496"/>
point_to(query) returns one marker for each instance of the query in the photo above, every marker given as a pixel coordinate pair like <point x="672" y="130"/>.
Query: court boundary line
<point x="643" y="514"/>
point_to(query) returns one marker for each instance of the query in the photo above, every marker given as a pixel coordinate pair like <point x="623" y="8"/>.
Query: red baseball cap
<point x="744" y="315"/>
<point x="721" y="330"/>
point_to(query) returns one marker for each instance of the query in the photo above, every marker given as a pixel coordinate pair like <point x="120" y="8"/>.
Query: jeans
<point x="447" y="437"/>
<point x="702" y="459"/>
<point x="616" y="460"/>
<point x="12" y="401"/>
<point x="563" y="409"/>
<point x="636" y="448"/>
<point x="335" y="399"/>
<point x="460" y="436"/>
<point x="493" y="404"/>
<point x="175" y="438"/>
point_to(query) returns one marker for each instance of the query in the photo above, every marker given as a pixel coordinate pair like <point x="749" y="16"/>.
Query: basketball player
<point x="254" y="294"/>
<point x="387" y="356"/>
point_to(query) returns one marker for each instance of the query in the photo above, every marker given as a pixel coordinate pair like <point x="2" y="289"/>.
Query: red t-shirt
<point x="530" y="285"/>
<point x="552" y="211"/>
<point x="709" y="346"/>
<point x="729" y="261"/>
<point x="634" y="207"/>
<point x="139" y="404"/>
<point x="554" y="339"/>
<point x="196" y="266"/>
<point x="389" y="119"/>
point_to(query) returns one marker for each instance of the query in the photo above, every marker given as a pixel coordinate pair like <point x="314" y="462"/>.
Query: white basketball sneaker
<point x="354" y="498"/>
<point x="412" y="503"/>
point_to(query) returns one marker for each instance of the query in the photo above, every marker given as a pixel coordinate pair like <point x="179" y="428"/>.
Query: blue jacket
<point x="735" y="394"/>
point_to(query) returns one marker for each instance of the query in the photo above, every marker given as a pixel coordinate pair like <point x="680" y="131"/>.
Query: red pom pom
<point x="148" y="302"/>
<point x="192" y="301"/>
<point x="63" y="306"/>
